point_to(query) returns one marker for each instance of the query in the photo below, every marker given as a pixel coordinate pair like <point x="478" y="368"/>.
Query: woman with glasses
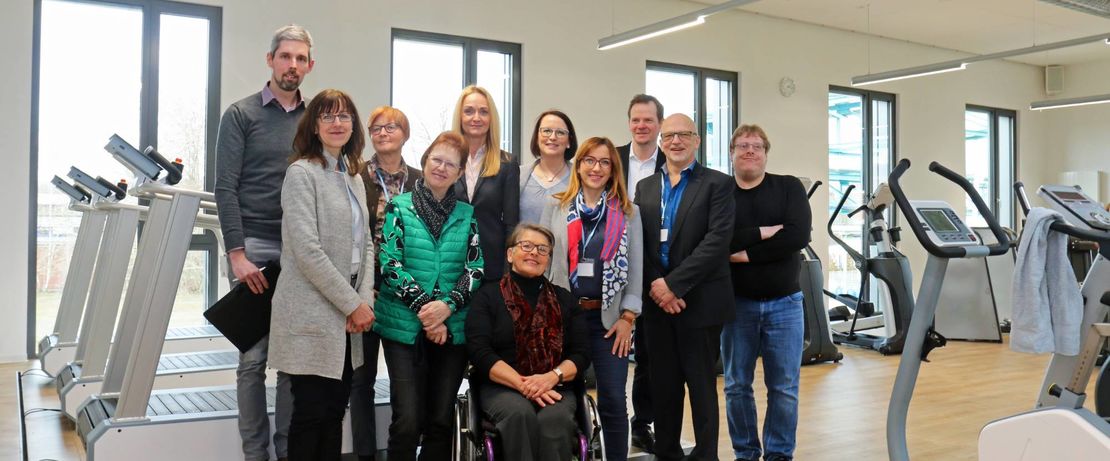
<point x="490" y="181"/>
<point x="326" y="287"/>
<point x="386" y="176"/>
<point x="528" y="342"/>
<point x="553" y="145"/>
<point x="431" y="264"/>
<point x="598" y="257"/>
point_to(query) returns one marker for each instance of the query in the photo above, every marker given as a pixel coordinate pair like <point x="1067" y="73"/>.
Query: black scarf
<point x="433" y="212"/>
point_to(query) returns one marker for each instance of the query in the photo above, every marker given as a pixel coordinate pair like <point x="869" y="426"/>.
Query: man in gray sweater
<point x="252" y="152"/>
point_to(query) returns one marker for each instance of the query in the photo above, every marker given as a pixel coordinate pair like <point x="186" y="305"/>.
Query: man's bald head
<point x="680" y="140"/>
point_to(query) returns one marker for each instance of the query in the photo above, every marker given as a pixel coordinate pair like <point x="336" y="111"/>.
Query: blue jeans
<point x="773" y="329"/>
<point x="612" y="377"/>
<point x="250" y="381"/>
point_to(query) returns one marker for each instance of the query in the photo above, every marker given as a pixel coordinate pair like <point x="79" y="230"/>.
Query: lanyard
<point x="385" y="190"/>
<point x="601" y="214"/>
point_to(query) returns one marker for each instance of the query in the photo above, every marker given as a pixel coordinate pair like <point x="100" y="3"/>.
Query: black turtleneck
<point x="529" y="286"/>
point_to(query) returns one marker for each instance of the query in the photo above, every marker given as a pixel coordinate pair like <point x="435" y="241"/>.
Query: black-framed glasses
<point x="529" y="247"/>
<point x="683" y="135"/>
<point x="342" y="117"/>
<point x="590" y="162"/>
<point x="558" y="132"/>
<point x="389" y="128"/>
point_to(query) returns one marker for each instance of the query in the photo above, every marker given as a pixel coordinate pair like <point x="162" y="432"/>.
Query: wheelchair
<point x="476" y="438"/>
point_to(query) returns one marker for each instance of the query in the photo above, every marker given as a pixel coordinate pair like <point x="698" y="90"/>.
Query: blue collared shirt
<point x="670" y="198"/>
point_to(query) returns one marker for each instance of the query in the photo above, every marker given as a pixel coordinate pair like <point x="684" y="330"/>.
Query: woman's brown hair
<point x="616" y="188"/>
<point x="306" y="143"/>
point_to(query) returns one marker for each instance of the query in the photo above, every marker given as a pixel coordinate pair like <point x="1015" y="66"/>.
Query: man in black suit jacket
<point x="687" y="229"/>
<point x="644" y="115"/>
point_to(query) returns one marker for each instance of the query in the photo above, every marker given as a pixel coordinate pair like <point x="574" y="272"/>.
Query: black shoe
<point x="777" y="458"/>
<point x="747" y="459"/>
<point x="644" y="439"/>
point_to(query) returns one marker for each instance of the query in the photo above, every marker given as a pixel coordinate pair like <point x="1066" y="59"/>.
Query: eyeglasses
<point x="331" y="118"/>
<point x="390" y="128"/>
<point x="528" y="247"/>
<point x="745" y="146"/>
<point x="590" y="162"/>
<point x="683" y="135"/>
<point x="437" y="162"/>
<point x="558" y="132"/>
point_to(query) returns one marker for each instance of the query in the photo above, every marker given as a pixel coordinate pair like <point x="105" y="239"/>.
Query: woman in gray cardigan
<point x="598" y="256"/>
<point x="326" y="286"/>
<point x="553" y="145"/>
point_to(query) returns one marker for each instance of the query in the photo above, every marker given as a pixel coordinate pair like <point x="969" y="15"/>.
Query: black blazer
<point x="699" y="272"/>
<point x="490" y="334"/>
<point x="497" y="210"/>
<point x="626" y="150"/>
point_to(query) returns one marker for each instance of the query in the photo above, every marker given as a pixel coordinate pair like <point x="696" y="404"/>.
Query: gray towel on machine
<point x="1048" y="307"/>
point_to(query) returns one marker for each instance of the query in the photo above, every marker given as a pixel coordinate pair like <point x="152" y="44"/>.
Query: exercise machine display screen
<point x="1070" y="195"/>
<point x="937" y="220"/>
<point x="1076" y="206"/>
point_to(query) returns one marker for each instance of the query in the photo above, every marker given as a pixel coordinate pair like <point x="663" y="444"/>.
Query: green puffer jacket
<point x="417" y="267"/>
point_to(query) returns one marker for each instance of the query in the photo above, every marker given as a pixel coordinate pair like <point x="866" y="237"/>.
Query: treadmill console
<point x="68" y="189"/>
<point x="942" y="225"/>
<point x="88" y="182"/>
<point x="1077" y="207"/>
<point x="129" y="156"/>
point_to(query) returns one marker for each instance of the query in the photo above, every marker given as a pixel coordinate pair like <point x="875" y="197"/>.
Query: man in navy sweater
<point x="252" y="152"/>
<point x="772" y="225"/>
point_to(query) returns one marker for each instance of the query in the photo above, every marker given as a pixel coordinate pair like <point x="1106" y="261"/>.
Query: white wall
<point x="562" y="68"/>
<point x="1080" y="136"/>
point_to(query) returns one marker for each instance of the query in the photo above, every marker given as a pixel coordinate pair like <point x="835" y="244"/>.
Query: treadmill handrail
<point x="1062" y="226"/>
<point x="1002" y="244"/>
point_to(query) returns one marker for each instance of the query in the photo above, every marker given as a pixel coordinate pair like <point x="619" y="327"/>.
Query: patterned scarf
<point x="433" y="212"/>
<point x="614" y="252"/>
<point x="538" y="332"/>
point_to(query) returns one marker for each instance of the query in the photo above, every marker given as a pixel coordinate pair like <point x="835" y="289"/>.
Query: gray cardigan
<point x="314" y="296"/>
<point x="555" y="218"/>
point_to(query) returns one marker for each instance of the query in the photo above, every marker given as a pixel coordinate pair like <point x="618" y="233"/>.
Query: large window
<point x="430" y="69"/>
<point x="861" y="146"/>
<point x="708" y="96"/>
<point x="147" y="70"/>
<point x="989" y="157"/>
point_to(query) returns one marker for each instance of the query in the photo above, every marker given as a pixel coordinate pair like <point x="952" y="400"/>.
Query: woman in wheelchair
<point x="598" y="256"/>
<point x="527" y="341"/>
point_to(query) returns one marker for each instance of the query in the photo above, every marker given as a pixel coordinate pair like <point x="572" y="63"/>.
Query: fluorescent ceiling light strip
<point x="1070" y="102"/>
<point x="911" y="72"/>
<point x="667" y="26"/>
<point x="957" y="64"/>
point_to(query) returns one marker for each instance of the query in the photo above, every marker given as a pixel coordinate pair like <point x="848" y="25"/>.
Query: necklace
<point x="552" y="177"/>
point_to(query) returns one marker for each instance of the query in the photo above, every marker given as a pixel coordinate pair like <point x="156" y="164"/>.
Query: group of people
<point x="526" y="272"/>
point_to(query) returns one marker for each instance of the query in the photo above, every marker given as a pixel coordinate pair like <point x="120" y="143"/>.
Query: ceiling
<point x="972" y="26"/>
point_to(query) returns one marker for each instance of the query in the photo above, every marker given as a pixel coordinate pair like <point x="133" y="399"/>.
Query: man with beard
<point x="772" y="226"/>
<point x="252" y="152"/>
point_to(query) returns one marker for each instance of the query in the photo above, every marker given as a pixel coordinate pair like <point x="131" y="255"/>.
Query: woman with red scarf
<point x="598" y="256"/>
<point x="528" y="342"/>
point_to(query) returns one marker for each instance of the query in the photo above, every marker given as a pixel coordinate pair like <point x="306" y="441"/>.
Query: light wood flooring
<point x="842" y="414"/>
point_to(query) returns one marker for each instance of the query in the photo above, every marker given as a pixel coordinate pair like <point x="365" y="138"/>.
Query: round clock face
<point x="786" y="86"/>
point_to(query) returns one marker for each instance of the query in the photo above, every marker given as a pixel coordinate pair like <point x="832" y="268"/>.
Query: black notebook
<point x="242" y="316"/>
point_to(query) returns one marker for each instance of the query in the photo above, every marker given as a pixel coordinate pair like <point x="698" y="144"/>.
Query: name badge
<point x="586" y="268"/>
<point x="663" y="234"/>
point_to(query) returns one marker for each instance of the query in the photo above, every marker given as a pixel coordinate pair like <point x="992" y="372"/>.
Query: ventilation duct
<point x="1099" y="8"/>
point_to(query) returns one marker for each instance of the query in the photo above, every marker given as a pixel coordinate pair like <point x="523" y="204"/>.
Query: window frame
<point x="995" y="115"/>
<point x="868" y="97"/>
<point x="148" y="125"/>
<point x="471" y="46"/>
<point x="700" y="75"/>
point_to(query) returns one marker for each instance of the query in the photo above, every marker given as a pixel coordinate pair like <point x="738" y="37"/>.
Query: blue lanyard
<point x="601" y="214"/>
<point x="385" y="190"/>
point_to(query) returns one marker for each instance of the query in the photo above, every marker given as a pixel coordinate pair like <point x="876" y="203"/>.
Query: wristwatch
<point x="558" y="373"/>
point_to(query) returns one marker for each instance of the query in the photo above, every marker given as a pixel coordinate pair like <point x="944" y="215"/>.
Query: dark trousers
<point x="684" y="358"/>
<point x="528" y="432"/>
<point x="612" y="377"/>
<point x="363" y="427"/>
<point x="642" y="412"/>
<point x="316" y="429"/>
<point x="424" y="381"/>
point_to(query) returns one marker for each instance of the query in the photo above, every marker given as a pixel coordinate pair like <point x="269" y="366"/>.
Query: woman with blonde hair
<point x="491" y="181"/>
<point x="598" y="257"/>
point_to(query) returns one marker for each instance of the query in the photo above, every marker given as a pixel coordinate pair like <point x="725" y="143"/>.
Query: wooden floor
<point x="842" y="414"/>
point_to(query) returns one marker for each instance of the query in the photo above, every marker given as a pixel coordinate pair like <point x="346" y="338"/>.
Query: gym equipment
<point x="57" y="348"/>
<point x="1059" y="427"/>
<point x="945" y="237"/>
<point x="1086" y="220"/>
<point x="889" y="266"/>
<point x="818" y="346"/>
<point x="968" y="309"/>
